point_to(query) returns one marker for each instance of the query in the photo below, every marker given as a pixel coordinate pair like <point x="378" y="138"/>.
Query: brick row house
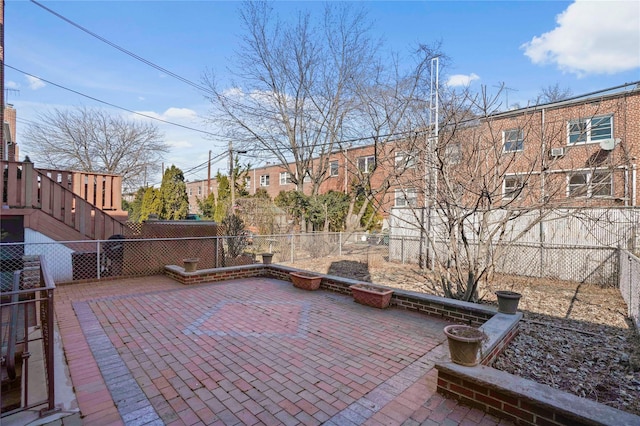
<point x="369" y="163"/>
<point x="577" y="152"/>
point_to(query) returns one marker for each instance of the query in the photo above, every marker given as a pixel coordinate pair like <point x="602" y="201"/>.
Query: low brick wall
<point x="447" y="309"/>
<point x="523" y="401"/>
<point x="202" y="276"/>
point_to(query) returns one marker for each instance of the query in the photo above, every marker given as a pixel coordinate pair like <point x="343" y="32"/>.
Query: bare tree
<point x="391" y="108"/>
<point x="295" y="87"/>
<point x="93" y="140"/>
<point x="494" y="177"/>
<point x="553" y="93"/>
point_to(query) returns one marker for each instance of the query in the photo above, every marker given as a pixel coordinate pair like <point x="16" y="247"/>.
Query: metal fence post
<point x="340" y="243"/>
<point x="98" y="259"/>
<point x="402" y="249"/>
<point x="292" y="244"/>
<point x="217" y="253"/>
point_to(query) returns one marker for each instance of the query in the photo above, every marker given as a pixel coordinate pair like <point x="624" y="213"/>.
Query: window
<point x="366" y="164"/>
<point x="405" y="160"/>
<point x="512" y="140"/>
<point x="590" y="184"/>
<point x="453" y="153"/>
<point x="333" y="168"/>
<point x="587" y="130"/>
<point x="285" y="178"/>
<point x="247" y="182"/>
<point x="199" y="190"/>
<point x="264" y="180"/>
<point x="512" y="187"/>
<point x="601" y="184"/>
<point x="307" y="178"/>
<point x="406" y="197"/>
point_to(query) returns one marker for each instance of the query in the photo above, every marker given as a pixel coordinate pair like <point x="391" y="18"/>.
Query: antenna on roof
<point x="503" y="86"/>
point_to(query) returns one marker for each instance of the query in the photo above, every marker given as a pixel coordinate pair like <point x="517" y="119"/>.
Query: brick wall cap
<point x="571" y="406"/>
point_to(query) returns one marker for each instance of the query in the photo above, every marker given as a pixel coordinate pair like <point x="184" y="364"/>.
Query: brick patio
<point x="249" y="351"/>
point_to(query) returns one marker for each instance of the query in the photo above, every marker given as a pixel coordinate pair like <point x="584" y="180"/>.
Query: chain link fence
<point x="589" y="264"/>
<point x="127" y="256"/>
<point x="630" y="284"/>
<point x="118" y="256"/>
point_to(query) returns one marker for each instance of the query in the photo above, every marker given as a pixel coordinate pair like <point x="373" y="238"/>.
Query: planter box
<point x="508" y="301"/>
<point x="465" y="343"/>
<point x="305" y="281"/>
<point x="371" y="295"/>
<point x="191" y="264"/>
<point x="267" y="258"/>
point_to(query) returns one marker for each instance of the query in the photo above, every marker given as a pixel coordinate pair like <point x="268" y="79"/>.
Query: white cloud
<point x="12" y="85"/>
<point x="179" y="113"/>
<point x="233" y="92"/>
<point x="462" y="79"/>
<point x="35" y="83"/>
<point x="141" y="98"/>
<point x="179" y="144"/>
<point x="171" y="114"/>
<point x="592" y="37"/>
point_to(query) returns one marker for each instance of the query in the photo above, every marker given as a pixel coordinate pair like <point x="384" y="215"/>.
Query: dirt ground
<point x="575" y="337"/>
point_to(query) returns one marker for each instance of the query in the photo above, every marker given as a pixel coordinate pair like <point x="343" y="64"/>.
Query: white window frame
<point x="334" y="168"/>
<point x="264" y="180"/>
<point x="285" y="178"/>
<point x="509" y="191"/>
<point x="512" y="140"/>
<point x="586" y="130"/>
<point x="199" y="190"/>
<point x="190" y="191"/>
<point x="406" y="197"/>
<point x="405" y="160"/>
<point x="366" y="163"/>
<point x="590" y="189"/>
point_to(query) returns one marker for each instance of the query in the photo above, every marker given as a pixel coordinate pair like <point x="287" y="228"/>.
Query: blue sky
<point x="584" y="46"/>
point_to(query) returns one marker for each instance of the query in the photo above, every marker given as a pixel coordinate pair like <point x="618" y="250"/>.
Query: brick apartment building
<point x="9" y="149"/>
<point x="580" y="151"/>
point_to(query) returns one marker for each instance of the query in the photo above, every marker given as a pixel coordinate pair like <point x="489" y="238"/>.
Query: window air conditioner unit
<point x="557" y="152"/>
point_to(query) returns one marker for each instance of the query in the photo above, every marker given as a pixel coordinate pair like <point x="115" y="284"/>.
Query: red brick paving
<point x="257" y="351"/>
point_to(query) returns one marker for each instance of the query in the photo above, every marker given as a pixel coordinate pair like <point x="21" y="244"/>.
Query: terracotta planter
<point x="305" y="280"/>
<point x="371" y="295"/>
<point x="191" y="264"/>
<point x="266" y="258"/>
<point x="508" y="301"/>
<point x="465" y="343"/>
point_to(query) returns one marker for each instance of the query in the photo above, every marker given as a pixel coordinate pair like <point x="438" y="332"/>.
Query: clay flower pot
<point x="266" y="258"/>
<point x="305" y="281"/>
<point x="370" y="295"/>
<point x="508" y="301"/>
<point x="191" y="264"/>
<point x="465" y="343"/>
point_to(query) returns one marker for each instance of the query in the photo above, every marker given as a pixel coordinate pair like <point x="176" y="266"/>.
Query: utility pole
<point x="232" y="174"/>
<point x="209" y="175"/>
<point x="232" y="180"/>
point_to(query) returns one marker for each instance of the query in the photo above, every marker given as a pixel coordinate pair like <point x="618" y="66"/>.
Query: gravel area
<point x="574" y="337"/>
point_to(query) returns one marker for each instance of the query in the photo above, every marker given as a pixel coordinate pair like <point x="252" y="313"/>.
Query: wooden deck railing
<point x="26" y="187"/>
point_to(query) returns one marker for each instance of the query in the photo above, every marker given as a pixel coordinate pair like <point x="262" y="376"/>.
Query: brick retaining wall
<point x="523" y="401"/>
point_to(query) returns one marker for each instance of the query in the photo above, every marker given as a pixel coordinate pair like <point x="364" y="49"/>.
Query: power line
<point x="123" y="50"/>
<point x="185" y="80"/>
<point x="114" y="105"/>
